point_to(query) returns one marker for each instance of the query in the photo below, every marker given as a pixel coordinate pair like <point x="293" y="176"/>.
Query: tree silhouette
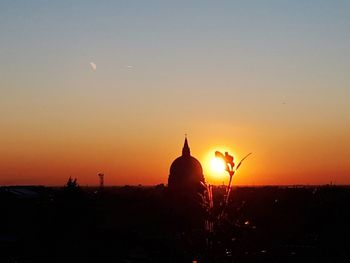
<point x="72" y="185"/>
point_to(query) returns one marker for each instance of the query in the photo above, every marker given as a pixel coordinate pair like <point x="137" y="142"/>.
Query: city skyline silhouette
<point x="174" y="131"/>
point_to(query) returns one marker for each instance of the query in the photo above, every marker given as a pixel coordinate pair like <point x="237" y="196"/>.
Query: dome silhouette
<point x="186" y="172"/>
<point x="186" y="191"/>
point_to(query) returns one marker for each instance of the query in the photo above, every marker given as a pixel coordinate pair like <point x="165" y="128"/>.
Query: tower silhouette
<point x="101" y="177"/>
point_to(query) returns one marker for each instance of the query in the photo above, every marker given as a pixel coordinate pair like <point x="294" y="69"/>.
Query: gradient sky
<point x="268" y="77"/>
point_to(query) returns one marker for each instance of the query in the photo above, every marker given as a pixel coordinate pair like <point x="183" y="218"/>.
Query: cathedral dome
<point x="186" y="171"/>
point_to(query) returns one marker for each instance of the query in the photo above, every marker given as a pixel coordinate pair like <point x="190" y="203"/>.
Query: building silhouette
<point x="186" y="173"/>
<point x="186" y="188"/>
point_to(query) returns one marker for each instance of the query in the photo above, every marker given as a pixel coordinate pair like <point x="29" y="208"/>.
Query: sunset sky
<point x="113" y="86"/>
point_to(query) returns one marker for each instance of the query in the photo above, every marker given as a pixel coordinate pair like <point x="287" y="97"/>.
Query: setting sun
<point x="217" y="165"/>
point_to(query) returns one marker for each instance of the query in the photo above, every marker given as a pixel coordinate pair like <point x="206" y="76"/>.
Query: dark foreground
<point x="132" y="224"/>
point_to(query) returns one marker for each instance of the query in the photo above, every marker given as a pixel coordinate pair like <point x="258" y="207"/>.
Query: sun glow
<point x="213" y="167"/>
<point x="217" y="165"/>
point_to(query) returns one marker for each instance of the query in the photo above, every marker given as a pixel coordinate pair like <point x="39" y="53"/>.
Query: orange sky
<point x="284" y="157"/>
